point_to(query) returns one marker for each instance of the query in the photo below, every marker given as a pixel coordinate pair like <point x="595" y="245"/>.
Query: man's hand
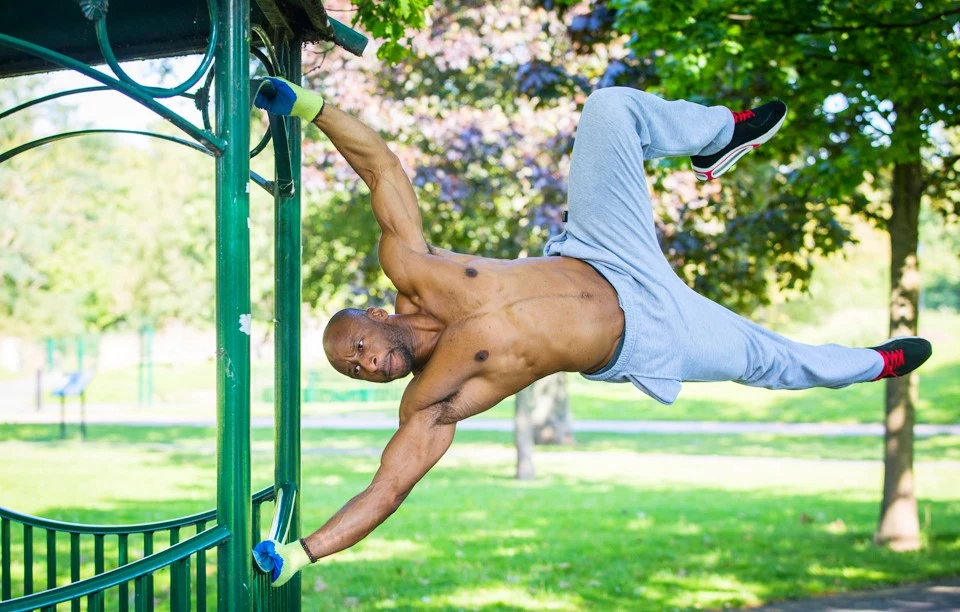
<point x="281" y="97"/>
<point x="282" y="561"/>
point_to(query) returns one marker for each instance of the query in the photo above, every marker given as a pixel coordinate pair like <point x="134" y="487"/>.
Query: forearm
<point x="361" y="146"/>
<point x="358" y="517"/>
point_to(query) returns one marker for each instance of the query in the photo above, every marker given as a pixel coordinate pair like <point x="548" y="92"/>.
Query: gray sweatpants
<point x="671" y="334"/>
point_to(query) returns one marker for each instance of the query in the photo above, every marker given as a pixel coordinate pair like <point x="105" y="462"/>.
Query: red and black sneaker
<point x="902" y="355"/>
<point x="751" y="129"/>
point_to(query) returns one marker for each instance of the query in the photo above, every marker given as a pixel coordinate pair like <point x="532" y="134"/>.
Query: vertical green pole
<point x="287" y="333"/>
<point x="233" y="304"/>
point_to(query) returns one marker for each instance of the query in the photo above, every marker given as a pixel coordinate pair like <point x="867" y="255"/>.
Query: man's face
<point x="366" y="346"/>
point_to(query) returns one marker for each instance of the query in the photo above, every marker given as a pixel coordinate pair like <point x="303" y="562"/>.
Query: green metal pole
<point x="233" y="305"/>
<point x="287" y="333"/>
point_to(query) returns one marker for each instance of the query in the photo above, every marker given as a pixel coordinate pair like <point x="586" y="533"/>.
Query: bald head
<point x="364" y="344"/>
<point x="337" y="324"/>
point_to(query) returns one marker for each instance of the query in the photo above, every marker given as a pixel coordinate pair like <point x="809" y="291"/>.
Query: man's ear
<point x="378" y="314"/>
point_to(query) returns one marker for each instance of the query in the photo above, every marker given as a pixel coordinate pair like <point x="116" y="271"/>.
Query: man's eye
<point x="356" y="370"/>
<point x="360" y="345"/>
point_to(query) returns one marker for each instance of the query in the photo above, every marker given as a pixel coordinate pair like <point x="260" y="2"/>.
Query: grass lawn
<point x="618" y="522"/>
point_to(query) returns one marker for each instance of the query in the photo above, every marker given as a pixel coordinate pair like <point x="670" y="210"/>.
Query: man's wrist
<point x="308" y="104"/>
<point x="306" y="549"/>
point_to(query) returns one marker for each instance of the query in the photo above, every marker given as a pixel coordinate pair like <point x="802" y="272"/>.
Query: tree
<point x="863" y="117"/>
<point x="542" y="417"/>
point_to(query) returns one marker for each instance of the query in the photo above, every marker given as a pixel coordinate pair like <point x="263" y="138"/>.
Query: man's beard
<point x="399" y="347"/>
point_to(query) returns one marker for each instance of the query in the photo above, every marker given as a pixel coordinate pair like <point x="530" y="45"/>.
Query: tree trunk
<point x="899" y="526"/>
<point x="542" y="417"/>
<point x="523" y="433"/>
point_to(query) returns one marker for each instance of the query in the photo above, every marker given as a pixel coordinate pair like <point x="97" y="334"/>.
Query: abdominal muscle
<point x="536" y="316"/>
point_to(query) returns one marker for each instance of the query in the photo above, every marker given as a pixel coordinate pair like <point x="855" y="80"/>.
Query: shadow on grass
<point x="934" y="448"/>
<point x="473" y="538"/>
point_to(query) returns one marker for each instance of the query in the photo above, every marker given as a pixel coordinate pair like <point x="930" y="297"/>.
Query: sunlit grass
<point x="619" y="522"/>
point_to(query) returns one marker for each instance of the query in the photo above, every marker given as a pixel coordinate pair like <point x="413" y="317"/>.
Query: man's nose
<point x="370" y="364"/>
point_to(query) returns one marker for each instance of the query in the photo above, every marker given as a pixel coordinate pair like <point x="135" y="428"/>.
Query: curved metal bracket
<point x="202" y="96"/>
<point x="265" y="184"/>
<point x="53" y="96"/>
<point x="63" y="94"/>
<point x="214" y="143"/>
<point x="158" y="92"/>
<point x="286" y="496"/>
<point x="281" y="156"/>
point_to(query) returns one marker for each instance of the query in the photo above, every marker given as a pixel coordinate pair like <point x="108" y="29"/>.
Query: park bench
<point x="75" y="386"/>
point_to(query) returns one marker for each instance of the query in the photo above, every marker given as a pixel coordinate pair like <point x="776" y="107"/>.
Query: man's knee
<point x="607" y="103"/>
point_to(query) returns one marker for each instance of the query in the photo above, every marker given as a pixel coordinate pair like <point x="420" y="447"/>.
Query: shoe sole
<point x="731" y="158"/>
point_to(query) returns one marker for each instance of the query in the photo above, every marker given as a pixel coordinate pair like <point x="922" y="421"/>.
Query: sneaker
<point x="751" y="128"/>
<point x="902" y="355"/>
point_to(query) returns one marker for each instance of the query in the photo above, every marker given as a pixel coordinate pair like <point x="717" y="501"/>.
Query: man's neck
<point x="425" y="332"/>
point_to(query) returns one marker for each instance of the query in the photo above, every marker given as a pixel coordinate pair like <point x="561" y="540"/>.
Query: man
<point x="603" y="301"/>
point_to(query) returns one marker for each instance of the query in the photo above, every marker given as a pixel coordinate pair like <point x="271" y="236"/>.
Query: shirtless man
<point x="603" y="301"/>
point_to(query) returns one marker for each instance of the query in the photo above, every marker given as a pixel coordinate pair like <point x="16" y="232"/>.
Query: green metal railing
<point x="119" y="555"/>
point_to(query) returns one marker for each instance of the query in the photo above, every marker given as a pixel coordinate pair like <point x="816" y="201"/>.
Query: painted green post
<point x="233" y="304"/>
<point x="287" y="334"/>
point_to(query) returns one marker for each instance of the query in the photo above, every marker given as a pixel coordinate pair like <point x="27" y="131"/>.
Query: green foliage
<point x="390" y="21"/>
<point x="858" y="105"/>
<point x="941" y="262"/>
<point x="464" y="101"/>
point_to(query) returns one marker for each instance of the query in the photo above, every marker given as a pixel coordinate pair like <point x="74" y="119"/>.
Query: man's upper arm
<point x="413" y="450"/>
<point x="397" y="211"/>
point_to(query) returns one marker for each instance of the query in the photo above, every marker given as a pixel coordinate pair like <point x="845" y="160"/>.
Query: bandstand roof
<point x="142" y="29"/>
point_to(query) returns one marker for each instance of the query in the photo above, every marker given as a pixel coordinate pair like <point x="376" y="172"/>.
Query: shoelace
<point x="891" y="361"/>
<point x="739" y="116"/>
